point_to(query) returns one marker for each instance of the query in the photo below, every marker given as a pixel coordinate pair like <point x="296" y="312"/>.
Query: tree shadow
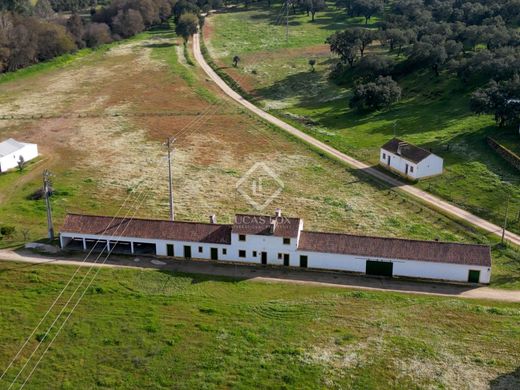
<point x="508" y="381"/>
<point x="160" y="45"/>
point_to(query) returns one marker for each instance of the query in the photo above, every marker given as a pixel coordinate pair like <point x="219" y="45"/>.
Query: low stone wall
<point x="506" y="154"/>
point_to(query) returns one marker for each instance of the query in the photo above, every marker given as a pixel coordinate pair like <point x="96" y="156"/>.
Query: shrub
<point x="376" y="95"/>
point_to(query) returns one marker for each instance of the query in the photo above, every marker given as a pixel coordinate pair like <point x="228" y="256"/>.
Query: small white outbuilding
<point x="11" y="151"/>
<point x="409" y="160"/>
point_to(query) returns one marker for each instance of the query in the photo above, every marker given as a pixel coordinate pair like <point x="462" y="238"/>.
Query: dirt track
<point x="422" y="195"/>
<point x="272" y="274"/>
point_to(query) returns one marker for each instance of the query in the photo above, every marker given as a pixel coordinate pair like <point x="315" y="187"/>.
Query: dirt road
<point x="424" y="196"/>
<point x="270" y="274"/>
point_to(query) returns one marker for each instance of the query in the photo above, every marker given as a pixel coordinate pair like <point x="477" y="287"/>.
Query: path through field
<point x="422" y="195"/>
<point x="272" y="274"/>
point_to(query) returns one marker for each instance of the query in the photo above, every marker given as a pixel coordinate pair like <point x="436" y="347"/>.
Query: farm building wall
<point x="430" y="166"/>
<point x="9" y="161"/>
<point x="274" y="246"/>
<point x="407" y="268"/>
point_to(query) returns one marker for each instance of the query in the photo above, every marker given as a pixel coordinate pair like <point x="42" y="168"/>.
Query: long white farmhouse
<point x="409" y="160"/>
<point x="280" y="240"/>
<point x="11" y="151"/>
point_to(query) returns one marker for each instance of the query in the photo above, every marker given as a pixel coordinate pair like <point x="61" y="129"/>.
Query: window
<point x="241" y="237"/>
<point x="241" y="253"/>
<point x="224" y="251"/>
<point x="200" y="249"/>
<point x="287" y="241"/>
<point x="411" y="169"/>
<point x="279" y="255"/>
<point x="384" y="156"/>
<point x="254" y="253"/>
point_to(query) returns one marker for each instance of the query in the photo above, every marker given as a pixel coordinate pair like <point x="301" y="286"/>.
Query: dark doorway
<point x="169" y="250"/>
<point x="264" y="258"/>
<point x="388" y="159"/>
<point x="380" y="268"/>
<point x="303" y="261"/>
<point x="406" y="169"/>
<point x="474" y="276"/>
<point x="286" y="259"/>
<point x="187" y="252"/>
<point x="214" y="253"/>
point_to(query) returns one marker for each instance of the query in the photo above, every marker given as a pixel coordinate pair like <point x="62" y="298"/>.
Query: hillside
<point x="434" y="111"/>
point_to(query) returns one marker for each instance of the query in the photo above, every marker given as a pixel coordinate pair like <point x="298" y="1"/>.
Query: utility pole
<point x="287" y="22"/>
<point x="46" y="194"/>
<point x="505" y="220"/>
<point x="169" y="143"/>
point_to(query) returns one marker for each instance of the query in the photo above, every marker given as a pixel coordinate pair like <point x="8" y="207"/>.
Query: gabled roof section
<point x="261" y="225"/>
<point x="408" y="151"/>
<point x="395" y="248"/>
<point x="9" y="146"/>
<point x="147" y="228"/>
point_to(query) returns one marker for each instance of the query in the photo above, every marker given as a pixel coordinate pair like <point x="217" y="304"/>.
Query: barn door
<point x="474" y="276"/>
<point x="380" y="268"/>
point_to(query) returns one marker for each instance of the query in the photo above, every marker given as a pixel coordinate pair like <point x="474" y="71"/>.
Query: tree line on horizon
<point x="31" y="34"/>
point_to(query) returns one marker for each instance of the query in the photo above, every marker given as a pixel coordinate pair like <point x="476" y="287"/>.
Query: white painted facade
<point x="250" y="249"/>
<point x="11" y="150"/>
<point x="432" y="165"/>
<point x="404" y="268"/>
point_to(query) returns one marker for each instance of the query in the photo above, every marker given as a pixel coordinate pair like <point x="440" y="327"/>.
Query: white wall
<point x="327" y="261"/>
<point x="408" y="268"/>
<point x="430" y="166"/>
<point x="270" y="244"/>
<point x="29" y="152"/>
<point x="397" y="163"/>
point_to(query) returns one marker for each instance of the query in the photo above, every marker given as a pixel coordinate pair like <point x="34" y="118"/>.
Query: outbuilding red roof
<point x="395" y="248"/>
<point x="147" y="228"/>
<point x="261" y="225"/>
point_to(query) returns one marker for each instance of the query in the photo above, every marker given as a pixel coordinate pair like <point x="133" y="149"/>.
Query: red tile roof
<point x="394" y="248"/>
<point x="261" y="225"/>
<point x="147" y="228"/>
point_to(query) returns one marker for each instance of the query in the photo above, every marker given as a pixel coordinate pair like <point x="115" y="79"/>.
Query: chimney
<point x="272" y="226"/>
<point x="212" y="218"/>
<point x="278" y="213"/>
<point x="400" y="147"/>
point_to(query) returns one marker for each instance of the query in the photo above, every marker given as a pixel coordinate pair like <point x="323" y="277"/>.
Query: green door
<point x="380" y="268"/>
<point x="303" y="261"/>
<point x="474" y="276"/>
<point x="187" y="252"/>
<point x="169" y="250"/>
<point x="286" y="259"/>
<point x="214" y="253"/>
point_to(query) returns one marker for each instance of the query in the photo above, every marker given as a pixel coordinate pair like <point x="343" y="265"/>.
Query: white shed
<point x="11" y="150"/>
<point x="409" y="160"/>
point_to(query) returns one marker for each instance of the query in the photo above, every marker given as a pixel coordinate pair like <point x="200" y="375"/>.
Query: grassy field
<point x="151" y="329"/>
<point x="104" y="146"/>
<point x="433" y="113"/>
